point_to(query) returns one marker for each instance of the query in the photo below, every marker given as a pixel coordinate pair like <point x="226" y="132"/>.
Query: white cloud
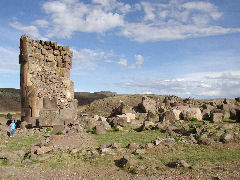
<point x="148" y="9"/>
<point x="160" y="21"/>
<point x="198" y="85"/>
<point x="73" y="16"/>
<point x="31" y="30"/>
<point x="8" y="60"/>
<point x="139" y="59"/>
<point x="176" y="20"/>
<point x="122" y="62"/>
<point x="207" y="7"/>
<point x="42" y="23"/>
<point x="86" y="59"/>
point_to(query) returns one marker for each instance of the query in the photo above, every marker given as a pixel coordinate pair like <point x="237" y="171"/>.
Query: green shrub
<point x="48" y="129"/>
<point x="94" y="130"/>
<point x="4" y="162"/>
<point x="59" y="133"/>
<point x="194" y="119"/>
<point x="9" y="115"/>
<point x="115" y="128"/>
<point x="2" y="115"/>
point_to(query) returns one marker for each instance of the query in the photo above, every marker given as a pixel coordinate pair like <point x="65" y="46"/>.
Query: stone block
<point x="148" y="105"/>
<point x="48" y="117"/>
<point x="217" y="117"/>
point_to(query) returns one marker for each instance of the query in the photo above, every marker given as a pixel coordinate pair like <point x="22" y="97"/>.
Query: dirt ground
<point x="224" y="171"/>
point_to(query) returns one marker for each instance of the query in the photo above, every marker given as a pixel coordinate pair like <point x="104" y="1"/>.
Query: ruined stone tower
<point x="47" y="93"/>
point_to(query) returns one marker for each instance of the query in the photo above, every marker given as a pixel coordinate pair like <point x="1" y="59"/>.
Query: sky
<point x="187" y="48"/>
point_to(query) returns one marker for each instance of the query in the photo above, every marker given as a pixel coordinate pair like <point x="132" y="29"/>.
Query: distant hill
<point x="85" y="98"/>
<point x="104" y="107"/>
<point x="10" y="100"/>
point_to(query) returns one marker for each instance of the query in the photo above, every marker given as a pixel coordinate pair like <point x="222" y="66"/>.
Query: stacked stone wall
<point x="45" y="82"/>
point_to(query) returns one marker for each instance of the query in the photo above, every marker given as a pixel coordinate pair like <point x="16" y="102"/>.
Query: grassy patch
<point x="59" y="133"/>
<point x="3" y="162"/>
<point x="21" y="142"/>
<point x="127" y="136"/>
<point x="193" y="154"/>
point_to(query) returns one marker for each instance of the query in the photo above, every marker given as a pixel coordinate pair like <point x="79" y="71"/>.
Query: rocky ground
<point x="160" y="152"/>
<point x="149" y="138"/>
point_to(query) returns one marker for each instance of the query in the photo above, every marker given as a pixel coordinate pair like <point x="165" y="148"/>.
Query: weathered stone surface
<point x="133" y="146"/>
<point x="106" y="125"/>
<point x="100" y="129"/>
<point x="206" y="114"/>
<point x="217" y="117"/>
<point x="148" y="105"/>
<point x="130" y="116"/>
<point x="23" y="125"/>
<point x="226" y="137"/>
<point x="122" y="121"/>
<point x="237" y="99"/>
<point x="45" y="83"/>
<point x="169" y="116"/>
<point x="190" y="113"/>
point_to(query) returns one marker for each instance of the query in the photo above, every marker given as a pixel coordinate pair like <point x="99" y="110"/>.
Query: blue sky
<point x="175" y="47"/>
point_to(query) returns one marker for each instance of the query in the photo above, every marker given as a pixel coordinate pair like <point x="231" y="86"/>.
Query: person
<point x="12" y="125"/>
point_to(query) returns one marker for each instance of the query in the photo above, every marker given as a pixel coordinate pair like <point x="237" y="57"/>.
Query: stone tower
<point x="47" y="93"/>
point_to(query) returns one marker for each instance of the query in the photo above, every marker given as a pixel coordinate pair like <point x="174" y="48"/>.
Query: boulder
<point x="106" y="125"/>
<point x="100" y="129"/>
<point x="130" y="116"/>
<point x="226" y="107"/>
<point x="169" y="116"/>
<point x="132" y="146"/>
<point x="148" y="124"/>
<point x="88" y="124"/>
<point x="176" y="113"/>
<point x="216" y="117"/>
<point x="148" y="105"/>
<point x="23" y="125"/>
<point x="102" y="119"/>
<point x="206" y="141"/>
<point x="116" y="145"/>
<point x="190" y="113"/>
<point x="237" y="99"/>
<point x="43" y="150"/>
<point x="206" y="114"/>
<point x="226" y="137"/>
<point x="208" y="107"/>
<point x="122" y="121"/>
<point x="125" y="161"/>
<point x="122" y="108"/>
<point x="179" y="163"/>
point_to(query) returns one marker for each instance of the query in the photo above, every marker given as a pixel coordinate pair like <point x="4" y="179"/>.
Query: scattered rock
<point x="179" y="163"/>
<point x="226" y="137"/>
<point x="206" y="141"/>
<point x="123" y="162"/>
<point x="148" y="105"/>
<point x="191" y="113"/>
<point x="217" y="117"/>
<point x="116" y="145"/>
<point x="100" y="129"/>
<point x="133" y="146"/>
